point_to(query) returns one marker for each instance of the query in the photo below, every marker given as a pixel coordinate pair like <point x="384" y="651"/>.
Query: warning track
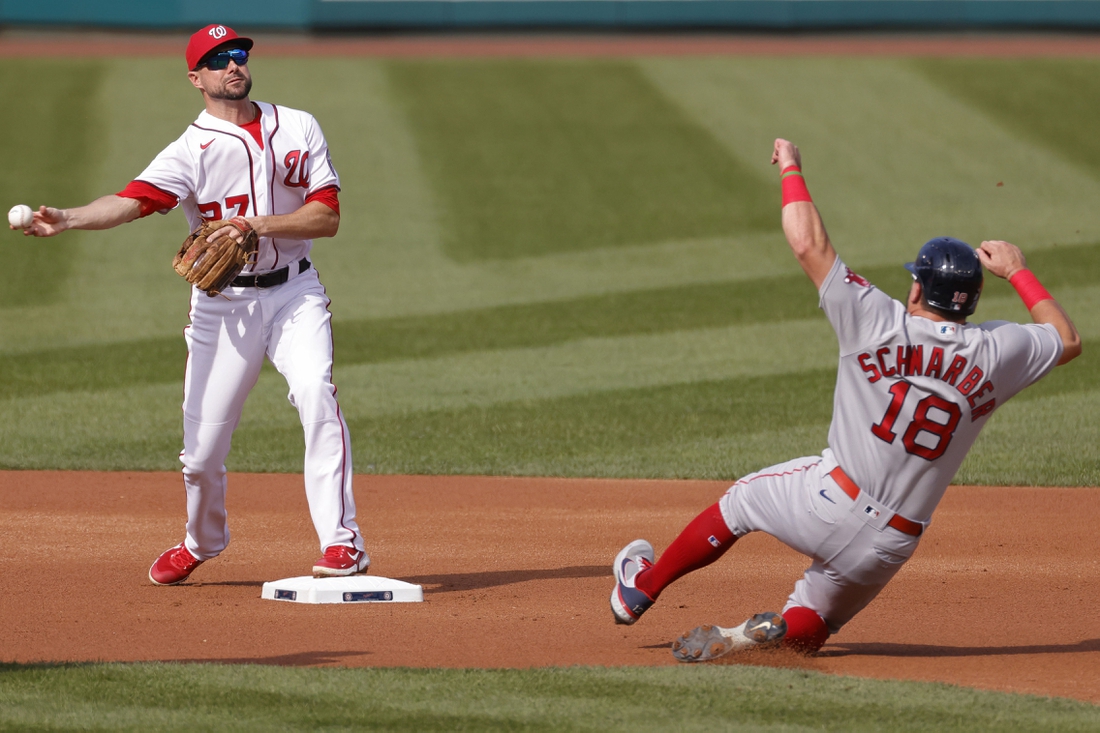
<point x="21" y="44"/>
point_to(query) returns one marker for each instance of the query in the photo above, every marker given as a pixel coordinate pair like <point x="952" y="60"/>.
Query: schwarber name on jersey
<point x="218" y="170"/>
<point x="912" y="394"/>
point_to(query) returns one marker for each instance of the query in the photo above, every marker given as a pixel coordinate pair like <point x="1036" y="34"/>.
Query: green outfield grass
<point x="529" y="158"/>
<point x="559" y="267"/>
<point x="549" y="267"/>
<point x="216" y="698"/>
<point x="51" y="150"/>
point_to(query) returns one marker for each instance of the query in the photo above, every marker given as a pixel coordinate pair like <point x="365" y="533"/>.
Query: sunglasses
<point x="220" y="61"/>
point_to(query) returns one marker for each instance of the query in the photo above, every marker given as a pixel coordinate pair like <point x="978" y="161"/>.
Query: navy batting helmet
<point x="950" y="274"/>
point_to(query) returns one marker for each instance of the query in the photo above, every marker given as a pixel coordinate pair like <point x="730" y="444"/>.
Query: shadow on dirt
<point x="301" y="659"/>
<point x="931" y="650"/>
<point x="491" y="579"/>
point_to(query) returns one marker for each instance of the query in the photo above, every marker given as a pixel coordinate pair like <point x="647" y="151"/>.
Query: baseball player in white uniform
<point x="270" y="166"/>
<point x="915" y="385"/>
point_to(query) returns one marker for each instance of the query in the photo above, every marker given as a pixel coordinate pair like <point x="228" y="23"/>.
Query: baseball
<point x="21" y="216"/>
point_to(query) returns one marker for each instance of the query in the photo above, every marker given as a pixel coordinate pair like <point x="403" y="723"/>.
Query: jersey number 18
<point x="884" y="430"/>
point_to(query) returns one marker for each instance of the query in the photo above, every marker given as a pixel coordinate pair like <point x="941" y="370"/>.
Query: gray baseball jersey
<point x="912" y="394"/>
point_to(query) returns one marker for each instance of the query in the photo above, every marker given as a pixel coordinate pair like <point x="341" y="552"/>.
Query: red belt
<point x="897" y="521"/>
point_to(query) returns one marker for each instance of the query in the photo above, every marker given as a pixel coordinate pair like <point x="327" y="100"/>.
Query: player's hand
<point x="785" y="154"/>
<point x="227" y="231"/>
<point x="48" y="221"/>
<point x="1001" y="258"/>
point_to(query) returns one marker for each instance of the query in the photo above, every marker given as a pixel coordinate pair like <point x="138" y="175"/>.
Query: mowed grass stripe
<point x="136" y="428"/>
<point x="712" y="305"/>
<point x="600" y="432"/>
<point x="951" y="154"/>
<point x="50" y="152"/>
<point x="93" y="368"/>
<point x="713" y="429"/>
<point x="1044" y="100"/>
<point x="719" y="429"/>
<point x="1043" y="440"/>
<point x="697" y="430"/>
<point x="715" y="697"/>
<point x="159" y="361"/>
<point x="530" y="157"/>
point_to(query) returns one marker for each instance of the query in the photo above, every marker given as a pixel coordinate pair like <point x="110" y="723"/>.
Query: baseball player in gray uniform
<point x="915" y="385"/>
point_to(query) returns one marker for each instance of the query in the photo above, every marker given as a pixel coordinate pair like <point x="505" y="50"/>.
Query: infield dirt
<point x="517" y="573"/>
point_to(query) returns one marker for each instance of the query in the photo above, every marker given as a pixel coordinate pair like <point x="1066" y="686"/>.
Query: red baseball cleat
<point x="340" y="560"/>
<point x="173" y="566"/>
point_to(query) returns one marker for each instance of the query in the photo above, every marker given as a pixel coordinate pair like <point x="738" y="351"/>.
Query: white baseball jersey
<point x="217" y="171"/>
<point x="912" y="394"/>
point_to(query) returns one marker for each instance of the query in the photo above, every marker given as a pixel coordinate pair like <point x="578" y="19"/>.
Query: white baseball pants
<point x="227" y="341"/>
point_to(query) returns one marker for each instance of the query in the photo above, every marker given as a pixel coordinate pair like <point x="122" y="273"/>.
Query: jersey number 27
<point x="213" y="210"/>
<point x="884" y="430"/>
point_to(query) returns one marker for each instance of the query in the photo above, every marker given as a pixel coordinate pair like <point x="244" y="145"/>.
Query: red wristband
<point x="241" y="223"/>
<point x="794" y="185"/>
<point x="1029" y="288"/>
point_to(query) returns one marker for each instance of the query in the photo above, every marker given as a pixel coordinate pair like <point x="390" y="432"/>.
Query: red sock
<point x="702" y="542"/>
<point x="806" y="631"/>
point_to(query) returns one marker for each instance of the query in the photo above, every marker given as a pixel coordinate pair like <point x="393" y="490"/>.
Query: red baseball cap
<point x="213" y="36"/>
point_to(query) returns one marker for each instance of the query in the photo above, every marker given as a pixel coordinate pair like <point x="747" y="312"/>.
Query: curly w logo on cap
<point x="214" y="37"/>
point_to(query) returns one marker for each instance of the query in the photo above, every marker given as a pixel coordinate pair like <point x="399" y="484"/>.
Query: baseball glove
<point x="211" y="266"/>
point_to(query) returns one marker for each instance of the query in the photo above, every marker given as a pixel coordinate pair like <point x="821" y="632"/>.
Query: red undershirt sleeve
<point x="150" y="197"/>
<point x="327" y="196"/>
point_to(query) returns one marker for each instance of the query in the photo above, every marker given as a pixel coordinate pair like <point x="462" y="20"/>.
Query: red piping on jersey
<point x="271" y="191"/>
<point x="343" y="469"/>
<point x="186" y="365"/>
<point x="253" y="128"/>
<point x="274" y="163"/>
<point x="340" y="414"/>
<point x="251" y="166"/>
<point x="773" y="475"/>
